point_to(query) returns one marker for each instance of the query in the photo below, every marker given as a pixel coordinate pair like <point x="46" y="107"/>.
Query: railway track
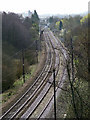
<point x="48" y="105"/>
<point x="59" y="46"/>
<point x="34" y="90"/>
<point x="43" y="93"/>
<point x="30" y="102"/>
<point x="36" y="110"/>
<point x="45" y="110"/>
<point x="48" y="99"/>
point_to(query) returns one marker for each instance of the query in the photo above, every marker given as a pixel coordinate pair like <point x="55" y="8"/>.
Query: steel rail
<point x="27" y="92"/>
<point x="39" y="99"/>
<point x="64" y="70"/>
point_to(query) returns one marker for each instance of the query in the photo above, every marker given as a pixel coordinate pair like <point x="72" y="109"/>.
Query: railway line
<point x="44" y="108"/>
<point x="34" y="90"/>
<point x="36" y="110"/>
<point x="32" y="109"/>
<point x="27" y="106"/>
<point x="48" y="105"/>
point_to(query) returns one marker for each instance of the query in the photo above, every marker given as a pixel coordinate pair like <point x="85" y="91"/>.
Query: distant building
<point x="27" y="14"/>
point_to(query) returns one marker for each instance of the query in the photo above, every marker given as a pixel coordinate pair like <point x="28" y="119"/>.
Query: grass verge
<point x="17" y="84"/>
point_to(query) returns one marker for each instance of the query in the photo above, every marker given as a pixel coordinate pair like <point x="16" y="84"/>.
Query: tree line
<point x="74" y="33"/>
<point x="18" y="34"/>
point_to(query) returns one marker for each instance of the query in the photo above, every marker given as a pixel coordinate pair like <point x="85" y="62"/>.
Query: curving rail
<point x="31" y="92"/>
<point x="47" y="87"/>
<point x="39" y="89"/>
<point x="55" y="43"/>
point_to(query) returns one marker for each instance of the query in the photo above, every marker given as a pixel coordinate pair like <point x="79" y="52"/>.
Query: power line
<point x="21" y="54"/>
<point x="19" y="51"/>
<point x="13" y="55"/>
<point x="23" y="65"/>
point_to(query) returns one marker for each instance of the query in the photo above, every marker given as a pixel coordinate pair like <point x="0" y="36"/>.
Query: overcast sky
<point x="45" y="6"/>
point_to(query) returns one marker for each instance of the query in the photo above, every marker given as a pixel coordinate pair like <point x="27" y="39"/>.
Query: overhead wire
<point x="20" y="51"/>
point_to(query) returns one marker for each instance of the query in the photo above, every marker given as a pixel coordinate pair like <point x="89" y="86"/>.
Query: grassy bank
<point x="18" y="84"/>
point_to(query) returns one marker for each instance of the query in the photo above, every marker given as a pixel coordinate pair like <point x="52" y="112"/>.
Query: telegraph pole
<point x="54" y="94"/>
<point x="72" y="90"/>
<point x="40" y="40"/>
<point x="36" y="51"/>
<point x="23" y="65"/>
<point x="72" y="61"/>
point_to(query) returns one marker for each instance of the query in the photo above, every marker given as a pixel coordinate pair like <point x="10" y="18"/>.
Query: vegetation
<point x="78" y="32"/>
<point x="17" y="84"/>
<point x="53" y="21"/>
<point x="18" y="34"/>
<point x="74" y="34"/>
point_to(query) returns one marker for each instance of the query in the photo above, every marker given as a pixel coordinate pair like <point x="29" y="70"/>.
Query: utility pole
<point x="54" y="94"/>
<point x="72" y="89"/>
<point x="40" y="40"/>
<point x="23" y="65"/>
<point x="36" y="51"/>
<point x="72" y="61"/>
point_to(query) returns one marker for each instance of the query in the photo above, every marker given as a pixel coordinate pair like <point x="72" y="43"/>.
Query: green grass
<point x="17" y="84"/>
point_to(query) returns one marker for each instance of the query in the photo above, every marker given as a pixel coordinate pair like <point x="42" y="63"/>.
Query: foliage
<point x="17" y="33"/>
<point x="57" y="24"/>
<point x="78" y="28"/>
<point x="85" y="19"/>
<point x="60" y="25"/>
<point x="35" y="18"/>
<point x="53" y="21"/>
<point x="17" y="84"/>
<point x="79" y="34"/>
